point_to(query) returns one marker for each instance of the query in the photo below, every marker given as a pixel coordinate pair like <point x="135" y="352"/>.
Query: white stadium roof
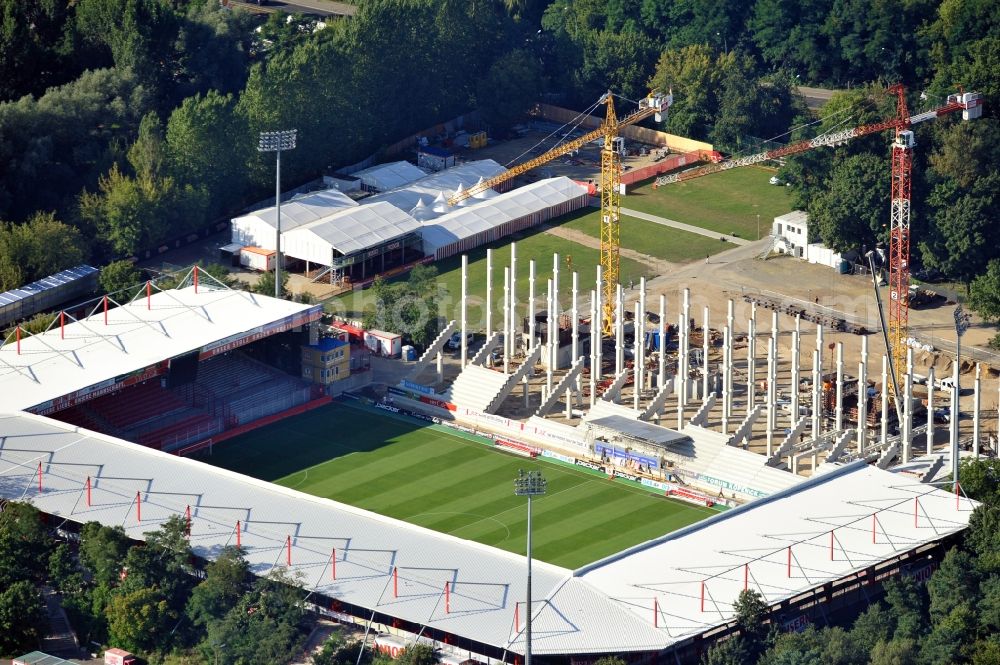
<point x="389" y="176"/>
<point x="441" y="184"/>
<point x="477" y="217"/>
<point x="348" y="231"/>
<point x="605" y="607"/>
<point x="136" y="336"/>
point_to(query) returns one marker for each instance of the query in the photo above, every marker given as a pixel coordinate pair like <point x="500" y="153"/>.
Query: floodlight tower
<point x="529" y="484"/>
<point x="276" y="142"/>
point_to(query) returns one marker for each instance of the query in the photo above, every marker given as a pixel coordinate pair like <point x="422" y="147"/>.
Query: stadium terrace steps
<point x="708" y="455"/>
<point x="476" y="387"/>
<point x="603" y="408"/>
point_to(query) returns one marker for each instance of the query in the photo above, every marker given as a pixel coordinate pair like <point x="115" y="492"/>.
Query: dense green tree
<point x="510" y="88"/>
<point x="981" y="477"/>
<point x="907" y="601"/>
<point x="208" y="145"/>
<point x="417" y="654"/>
<point x="163" y="563"/>
<point x="265" y="284"/>
<point x="693" y="74"/>
<point x="854" y="210"/>
<point x="24" y="544"/>
<point x="22" y="618"/>
<point x="138" y="619"/>
<point x="64" y="571"/>
<point x="831" y="646"/>
<point x="609" y="660"/>
<point x="38" y="248"/>
<point x="102" y="551"/>
<point x="732" y="651"/>
<point x="949" y="641"/>
<point x="224" y="583"/>
<point x="898" y="651"/>
<point x="120" y="276"/>
<point x="872" y="626"/>
<point x="36" y="42"/>
<point x="955" y="583"/>
<point x="983" y="537"/>
<point x="148" y="153"/>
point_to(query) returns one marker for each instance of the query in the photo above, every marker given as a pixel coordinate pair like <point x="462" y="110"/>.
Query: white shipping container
<point x="256" y="258"/>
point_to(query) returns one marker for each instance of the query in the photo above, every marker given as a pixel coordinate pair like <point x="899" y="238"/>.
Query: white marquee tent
<point x="347" y="232"/>
<point x="257" y="228"/>
<point x="439" y="185"/>
<point x="481" y="222"/>
<point x="389" y="176"/>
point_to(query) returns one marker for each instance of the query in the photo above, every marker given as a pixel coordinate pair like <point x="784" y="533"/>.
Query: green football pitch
<point x="451" y="482"/>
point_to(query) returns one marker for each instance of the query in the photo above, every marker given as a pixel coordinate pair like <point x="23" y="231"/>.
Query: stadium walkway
<point x="684" y="227"/>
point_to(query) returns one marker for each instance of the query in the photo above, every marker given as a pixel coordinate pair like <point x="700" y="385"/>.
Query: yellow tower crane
<point x="611" y="170"/>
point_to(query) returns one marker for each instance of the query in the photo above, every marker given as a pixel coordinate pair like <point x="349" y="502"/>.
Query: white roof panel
<point x="301" y="209"/>
<point x="443" y="182"/>
<point x="356" y="229"/>
<point x="390" y="176"/>
<point x="136" y="336"/>
<point x="601" y="608"/>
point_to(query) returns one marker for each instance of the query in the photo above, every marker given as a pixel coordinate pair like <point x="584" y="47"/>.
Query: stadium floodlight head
<point x="529" y="483"/>
<point x="283" y="139"/>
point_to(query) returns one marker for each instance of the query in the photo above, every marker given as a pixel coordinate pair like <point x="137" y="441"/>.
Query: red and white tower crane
<point x="969" y="103"/>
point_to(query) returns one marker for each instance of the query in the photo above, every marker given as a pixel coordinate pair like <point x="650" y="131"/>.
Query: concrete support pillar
<point x="795" y="377"/>
<point x="977" y="386"/>
<point x="661" y="377"/>
<point x="619" y="330"/>
<point x="727" y="372"/>
<point x="704" y="354"/>
<point x="575" y="333"/>
<point x="906" y="428"/>
<point x="681" y="379"/>
<point x="885" y="400"/>
<point x="531" y="306"/>
<point x="555" y="308"/>
<point x="638" y="356"/>
<point x="863" y="396"/>
<point x="953" y="423"/>
<point x="817" y="405"/>
<point x="686" y="340"/>
<point x="597" y="326"/>
<point x="595" y="346"/>
<point x="551" y="339"/>
<point x="839" y="406"/>
<point x="930" y="411"/>
<point x="751" y="357"/>
<point x="512" y="303"/>
<point x="464" y="308"/>
<point x="440" y="367"/>
<point x="772" y="362"/>
<point x="507" y="341"/>
<point x="489" y="293"/>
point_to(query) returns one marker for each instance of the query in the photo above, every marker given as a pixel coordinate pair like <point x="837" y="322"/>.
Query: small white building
<point x="791" y="236"/>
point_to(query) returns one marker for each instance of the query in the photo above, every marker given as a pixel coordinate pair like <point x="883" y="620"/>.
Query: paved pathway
<point x="684" y="227"/>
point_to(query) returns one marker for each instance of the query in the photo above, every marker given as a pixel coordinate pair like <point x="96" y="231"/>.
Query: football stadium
<point x="396" y="509"/>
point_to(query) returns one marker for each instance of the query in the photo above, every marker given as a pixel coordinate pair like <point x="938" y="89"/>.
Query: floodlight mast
<point x="276" y="142"/>
<point x="529" y="484"/>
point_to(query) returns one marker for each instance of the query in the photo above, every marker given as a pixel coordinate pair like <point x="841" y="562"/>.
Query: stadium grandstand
<point x="811" y="550"/>
<point x="167" y="368"/>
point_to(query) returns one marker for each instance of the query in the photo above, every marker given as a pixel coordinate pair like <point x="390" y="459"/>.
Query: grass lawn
<point x="436" y="478"/>
<point x="536" y="245"/>
<point x="726" y="202"/>
<point x="651" y="238"/>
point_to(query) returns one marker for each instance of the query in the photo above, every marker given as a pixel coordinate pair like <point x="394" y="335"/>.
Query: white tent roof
<point x="356" y="229"/>
<point x="301" y="209"/>
<point x="601" y="608"/>
<point x="483" y="215"/>
<point x="136" y="336"/>
<point x="443" y="182"/>
<point x="390" y="176"/>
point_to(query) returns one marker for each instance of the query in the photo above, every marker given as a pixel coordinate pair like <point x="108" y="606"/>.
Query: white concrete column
<point x="640" y="326"/>
<point x="751" y="357"/>
<point x="977" y="386"/>
<point x="464" y="308"/>
<point x="619" y="331"/>
<point x="597" y="328"/>
<point x="595" y="347"/>
<point x="863" y="396"/>
<point x="440" y="367"/>
<point x="661" y="330"/>
<point x="575" y="333"/>
<point x="795" y="377"/>
<point x="726" y="375"/>
<point x="885" y="399"/>
<point x="531" y="306"/>
<point x="551" y="339"/>
<point x="512" y="303"/>
<point x="686" y="340"/>
<point x="639" y="359"/>
<point x="953" y="424"/>
<point x="681" y="379"/>
<point x="816" y="391"/>
<point x="839" y="406"/>
<point x="930" y="410"/>
<point x="906" y="429"/>
<point x="489" y="292"/>
<point x="506" y="321"/>
<point x="704" y="354"/>
<point x="555" y="290"/>
<point x="771" y="365"/>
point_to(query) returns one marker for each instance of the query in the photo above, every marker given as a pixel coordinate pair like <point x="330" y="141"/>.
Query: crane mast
<point x="611" y="178"/>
